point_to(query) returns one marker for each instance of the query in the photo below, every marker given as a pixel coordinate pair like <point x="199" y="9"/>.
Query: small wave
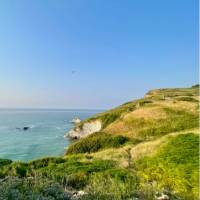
<point x="58" y="128"/>
<point x="32" y="126"/>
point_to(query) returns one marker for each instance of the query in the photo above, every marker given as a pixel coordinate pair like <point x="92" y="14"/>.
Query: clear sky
<point x="94" y="53"/>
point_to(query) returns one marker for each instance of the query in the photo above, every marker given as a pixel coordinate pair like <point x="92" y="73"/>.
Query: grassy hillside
<point x="160" y="112"/>
<point x="146" y="147"/>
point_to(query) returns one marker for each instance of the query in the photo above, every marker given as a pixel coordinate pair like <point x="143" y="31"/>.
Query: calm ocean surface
<point x="45" y="136"/>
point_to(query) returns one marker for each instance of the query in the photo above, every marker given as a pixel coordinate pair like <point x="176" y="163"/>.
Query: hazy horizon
<point x="94" y="54"/>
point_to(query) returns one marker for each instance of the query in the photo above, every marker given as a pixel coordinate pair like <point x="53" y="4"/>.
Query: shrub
<point x="195" y="86"/>
<point x="21" y="171"/>
<point x="4" y="162"/>
<point x="77" y="180"/>
<point x="96" y="142"/>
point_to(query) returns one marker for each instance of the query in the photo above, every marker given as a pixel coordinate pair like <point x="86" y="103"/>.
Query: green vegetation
<point x="186" y="99"/>
<point x="146" y="147"/>
<point x="112" y="115"/>
<point x="96" y="142"/>
<point x="31" y="189"/>
<point x="174" y="92"/>
<point x="48" y="179"/>
<point x="174" y="167"/>
<point x="175" y="121"/>
<point x="5" y="162"/>
<point x="112" y="184"/>
<point x="195" y="86"/>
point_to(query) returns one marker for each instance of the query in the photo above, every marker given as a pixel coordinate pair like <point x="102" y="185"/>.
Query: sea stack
<point x="76" y="120"/>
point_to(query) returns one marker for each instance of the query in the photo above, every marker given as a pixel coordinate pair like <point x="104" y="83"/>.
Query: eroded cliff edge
<point x="85" y="129"/>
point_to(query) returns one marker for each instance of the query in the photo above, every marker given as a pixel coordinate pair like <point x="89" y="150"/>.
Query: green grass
<point x="71" y="169"/>
<point x="173" y="168"/>
<point x="173" y="92"/>
<point x="114" y="184"/>
<point x="96" y="142"/>
<point x="112" y="115"/>
<point x="175" y="121"/>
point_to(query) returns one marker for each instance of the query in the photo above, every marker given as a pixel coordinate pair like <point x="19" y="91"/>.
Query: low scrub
<point x="4" y="162"/>
<point x="173" y="169"/>
<point x="71" y="172"/>
<point x="96" y="142"/>
<point x="30" y="189"/>
<point x="115" y="184"/>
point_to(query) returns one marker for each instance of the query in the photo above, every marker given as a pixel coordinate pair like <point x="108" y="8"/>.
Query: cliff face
<point x="86" y="129"/>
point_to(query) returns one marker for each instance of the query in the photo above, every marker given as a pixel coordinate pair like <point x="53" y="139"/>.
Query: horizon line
<point x="21" y="108"/>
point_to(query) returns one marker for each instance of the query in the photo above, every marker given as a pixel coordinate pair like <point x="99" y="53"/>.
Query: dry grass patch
<point x="179" y="105"/>
<point x="117" y="128"/>
<point x="147" y="113"/>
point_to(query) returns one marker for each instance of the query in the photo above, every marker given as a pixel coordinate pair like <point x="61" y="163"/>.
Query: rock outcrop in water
<point x="26" y="128"/>
<point x="86" y="129"/>
<point x="76" y="120"/>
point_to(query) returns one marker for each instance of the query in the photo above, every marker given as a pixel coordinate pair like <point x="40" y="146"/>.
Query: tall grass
<point x="175" y="121"/>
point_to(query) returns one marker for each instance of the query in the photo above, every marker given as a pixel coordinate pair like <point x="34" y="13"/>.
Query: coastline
<point x="43" y="139"/>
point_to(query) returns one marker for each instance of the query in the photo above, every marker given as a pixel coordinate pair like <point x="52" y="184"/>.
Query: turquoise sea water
<point x="45" y="136"/>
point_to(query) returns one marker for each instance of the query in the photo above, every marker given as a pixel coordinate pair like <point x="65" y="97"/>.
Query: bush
<point x="21" y="171"/>
<point x="96" y="142"/>
<point x="4" y="162"/>
<point x="77" y="180"/>
<point x="195" y="86"/>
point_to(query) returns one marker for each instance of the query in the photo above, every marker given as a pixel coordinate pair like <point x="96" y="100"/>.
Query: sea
<point x="43" y="138"/>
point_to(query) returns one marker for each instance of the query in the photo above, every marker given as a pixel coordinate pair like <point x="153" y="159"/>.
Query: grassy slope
<point x="160" y="112"/>
<point x="146" y="146"/>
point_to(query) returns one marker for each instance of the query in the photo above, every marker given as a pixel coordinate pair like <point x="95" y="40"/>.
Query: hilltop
<point x="160" y="112"/>
<point x="143" y="149"/>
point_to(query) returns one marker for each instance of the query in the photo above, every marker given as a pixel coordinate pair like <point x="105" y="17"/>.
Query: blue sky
<point x="94" y="53"/>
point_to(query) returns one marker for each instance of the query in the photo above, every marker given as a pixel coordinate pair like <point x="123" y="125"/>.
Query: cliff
<point x="146" y="117"/>
<point x="144" y="149"/>
<point x="86" y="129"/>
